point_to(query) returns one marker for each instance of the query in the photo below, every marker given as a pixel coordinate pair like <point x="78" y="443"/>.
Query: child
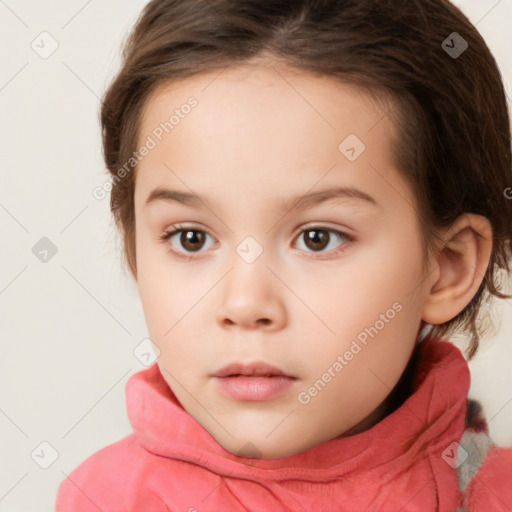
<point x="291" y="377"/>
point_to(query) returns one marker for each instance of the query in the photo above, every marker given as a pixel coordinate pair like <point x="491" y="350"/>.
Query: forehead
<point x="241" y="91"/>
<point x="258" y="123"/>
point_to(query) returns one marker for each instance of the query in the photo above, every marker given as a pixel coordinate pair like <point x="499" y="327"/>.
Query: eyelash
<point x="190" y="256"/>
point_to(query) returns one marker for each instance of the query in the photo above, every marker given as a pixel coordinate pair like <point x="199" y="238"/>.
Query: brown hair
<point x="454" y="141"/>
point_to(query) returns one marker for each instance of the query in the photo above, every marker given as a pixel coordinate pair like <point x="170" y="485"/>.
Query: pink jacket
<point x="431" y="454"/>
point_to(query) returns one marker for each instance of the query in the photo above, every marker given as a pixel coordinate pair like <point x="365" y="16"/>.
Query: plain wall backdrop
<point x="70" y="318"/>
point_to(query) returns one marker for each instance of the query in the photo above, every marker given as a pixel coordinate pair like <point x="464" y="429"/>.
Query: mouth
<point x="253" y="382"/>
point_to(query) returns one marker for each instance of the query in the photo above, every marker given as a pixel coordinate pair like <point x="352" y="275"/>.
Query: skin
<point x="260" y="134"/>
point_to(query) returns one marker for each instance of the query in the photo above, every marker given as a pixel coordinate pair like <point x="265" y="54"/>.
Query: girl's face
<point x="328" y="288"/>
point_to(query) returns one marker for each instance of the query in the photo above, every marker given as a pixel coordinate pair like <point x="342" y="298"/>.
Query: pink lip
<point x="254" y="382"/>
<point x="255" y="369"/>
<point x="254" y="389"/>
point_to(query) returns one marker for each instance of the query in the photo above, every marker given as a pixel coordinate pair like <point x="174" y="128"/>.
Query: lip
<point x="254" y="389"/>
<point x="254" y="369"/>
<point x="253" y="382"/>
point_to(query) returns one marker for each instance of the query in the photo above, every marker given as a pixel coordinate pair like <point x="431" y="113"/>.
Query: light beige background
<point x="69" y="326"/>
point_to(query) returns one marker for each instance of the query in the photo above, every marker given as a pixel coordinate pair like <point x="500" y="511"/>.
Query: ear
<point x="458" y="268"/>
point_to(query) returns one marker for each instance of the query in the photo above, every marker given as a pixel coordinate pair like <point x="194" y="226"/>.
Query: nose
<point x="251" y="298"/>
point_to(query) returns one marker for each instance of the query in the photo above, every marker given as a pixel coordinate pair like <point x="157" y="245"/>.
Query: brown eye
<point x="317" y="239"/>
<point x="192" y="239"/>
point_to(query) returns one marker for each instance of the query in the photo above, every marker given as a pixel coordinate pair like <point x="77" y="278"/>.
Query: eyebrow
<point x="300" y="201"/>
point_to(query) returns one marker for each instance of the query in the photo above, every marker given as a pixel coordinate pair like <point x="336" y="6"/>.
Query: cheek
<point x="159" y="292"/>
<point x="369" y="302"/>
<point x="353" y="295"/>
<point x="171" y="305"/>
<point x="390" y="270"/>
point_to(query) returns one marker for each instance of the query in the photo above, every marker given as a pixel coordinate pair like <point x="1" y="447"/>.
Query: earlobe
<point x="460" y="266"/>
